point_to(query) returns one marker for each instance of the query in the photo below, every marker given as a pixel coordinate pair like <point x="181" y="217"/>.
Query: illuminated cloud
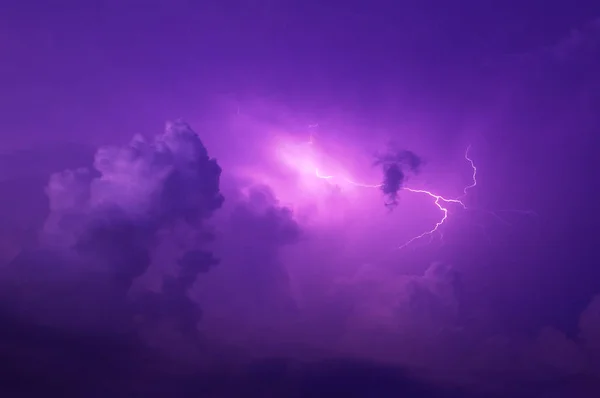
<point x="104" y="225"/>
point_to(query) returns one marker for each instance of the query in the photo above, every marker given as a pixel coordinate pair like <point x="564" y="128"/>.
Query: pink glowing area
<point x="316" y="171"/>
<point x="331" y="183"/>
<point x="314" y="178"/>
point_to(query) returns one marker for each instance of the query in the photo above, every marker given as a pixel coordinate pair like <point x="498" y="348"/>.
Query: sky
<point x="200" y="182"/>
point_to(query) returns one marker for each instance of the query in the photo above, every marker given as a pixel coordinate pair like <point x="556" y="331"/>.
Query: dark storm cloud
<point x="395" y="164"/>
<point x="252" y="287"/>
<point x="104" y="223"/>
<point x="278" y="226"/>
<point x="262" y="227"/>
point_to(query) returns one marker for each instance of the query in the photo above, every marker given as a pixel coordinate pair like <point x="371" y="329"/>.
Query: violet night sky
<point x="184" y="179"/>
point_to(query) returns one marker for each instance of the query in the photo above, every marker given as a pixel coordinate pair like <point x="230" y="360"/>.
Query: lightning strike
<point x="474" y="168"/>
<point x="440" y="201"/>
<point x="324" y="177"/>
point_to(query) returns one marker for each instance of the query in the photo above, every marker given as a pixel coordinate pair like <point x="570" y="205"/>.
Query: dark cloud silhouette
<point x="262" y="228"/>
<point x="252" y="287"/>
<point x="93" y="366"/>
<point x="395" y="165"/>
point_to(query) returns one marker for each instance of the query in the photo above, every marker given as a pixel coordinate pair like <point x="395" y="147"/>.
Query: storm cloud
<point x="104" y="225"/>
<point x="151" y="268"/>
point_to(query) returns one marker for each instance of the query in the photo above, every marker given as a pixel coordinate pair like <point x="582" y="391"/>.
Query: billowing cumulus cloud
<point x="105" y="222"/>
<point x="251" y="290"/>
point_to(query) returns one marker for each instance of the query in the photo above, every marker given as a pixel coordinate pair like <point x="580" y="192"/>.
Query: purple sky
<point x="517" y="82"/>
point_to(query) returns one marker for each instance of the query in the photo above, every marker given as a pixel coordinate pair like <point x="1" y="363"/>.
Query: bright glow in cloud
<point x="318" y="175"/>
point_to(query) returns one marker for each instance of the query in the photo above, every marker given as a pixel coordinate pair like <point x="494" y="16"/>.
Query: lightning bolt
<point x="441" y="202"/>
<point x="324" y="177"/>
<point x="438" y="201"/>
<point x="474" y="168"/>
